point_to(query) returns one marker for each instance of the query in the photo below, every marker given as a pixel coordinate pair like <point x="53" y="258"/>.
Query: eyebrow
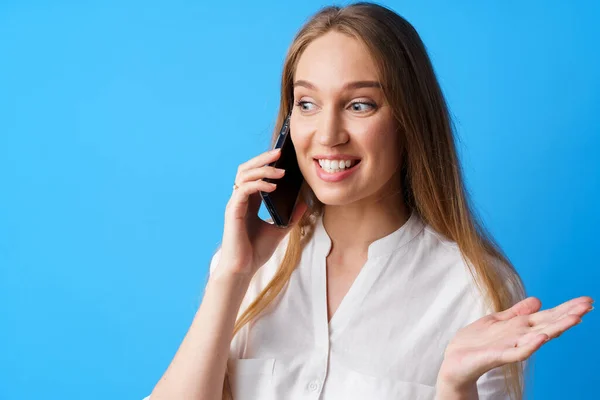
<point x="350" y="85"/>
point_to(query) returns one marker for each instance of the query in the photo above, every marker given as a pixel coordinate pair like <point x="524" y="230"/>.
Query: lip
<point x="336" y="176"/>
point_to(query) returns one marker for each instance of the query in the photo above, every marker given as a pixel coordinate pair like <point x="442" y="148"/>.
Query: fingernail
<point x="275" y="151"/>
<point x="591" y="308"/>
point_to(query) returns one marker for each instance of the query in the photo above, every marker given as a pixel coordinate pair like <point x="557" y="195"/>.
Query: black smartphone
<point x="282" y="201"/>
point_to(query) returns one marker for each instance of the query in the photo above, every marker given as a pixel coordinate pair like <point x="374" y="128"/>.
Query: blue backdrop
<point x="122" y="125"/>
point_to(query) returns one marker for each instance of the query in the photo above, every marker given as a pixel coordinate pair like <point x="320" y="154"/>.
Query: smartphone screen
<point x="281" y="202"/>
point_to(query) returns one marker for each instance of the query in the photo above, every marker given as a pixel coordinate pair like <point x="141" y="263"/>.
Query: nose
<point x="330" y="129"/>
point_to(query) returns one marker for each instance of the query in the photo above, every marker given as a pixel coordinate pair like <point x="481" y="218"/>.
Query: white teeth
<point x="332" y="166"/>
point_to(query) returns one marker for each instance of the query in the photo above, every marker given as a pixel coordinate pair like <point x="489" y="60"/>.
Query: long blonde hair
<point x="431" y="176"/>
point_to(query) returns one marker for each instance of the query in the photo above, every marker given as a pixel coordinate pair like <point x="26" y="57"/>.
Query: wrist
<point x="448" y="387"/>
<point x="448" y="391"/>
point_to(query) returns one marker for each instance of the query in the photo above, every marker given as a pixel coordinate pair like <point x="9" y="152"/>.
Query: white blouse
<point x="385" y="341"/>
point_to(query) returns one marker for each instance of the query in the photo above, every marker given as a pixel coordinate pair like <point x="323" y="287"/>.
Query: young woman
<point x="385" y="286"/>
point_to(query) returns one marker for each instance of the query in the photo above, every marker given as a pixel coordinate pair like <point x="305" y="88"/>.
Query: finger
<point x="259" y="173"/>
<point x="523" y="351"/>
<point x="237" y="207"/>
<point x="244" y="191"/>
<point x="526" y="338"/>
<point x="558" y="327"/>
<point x="552" y="313"/>
<point x="524" y="307"/>
<point x="260" y="160"/>
<point x="580" y="309"/>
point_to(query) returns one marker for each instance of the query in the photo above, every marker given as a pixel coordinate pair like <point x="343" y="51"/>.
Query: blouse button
<point x="313" y="386"/>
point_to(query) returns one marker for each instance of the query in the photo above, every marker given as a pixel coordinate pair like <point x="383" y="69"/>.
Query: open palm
<point x="508" y="336"/>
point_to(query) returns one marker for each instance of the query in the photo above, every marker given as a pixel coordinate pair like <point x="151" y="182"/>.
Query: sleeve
<point x="215" y="260"/>
<point x="492" y="386"/>
<point x="213" y="264"/>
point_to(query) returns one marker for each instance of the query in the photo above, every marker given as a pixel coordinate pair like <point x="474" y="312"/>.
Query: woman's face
<point x="340" y="114"/>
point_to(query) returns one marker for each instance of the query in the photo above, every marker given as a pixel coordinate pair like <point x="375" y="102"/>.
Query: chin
<point x="333" y="197"/>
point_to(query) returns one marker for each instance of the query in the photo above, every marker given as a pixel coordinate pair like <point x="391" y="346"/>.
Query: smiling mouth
<point x="336" y="166"/>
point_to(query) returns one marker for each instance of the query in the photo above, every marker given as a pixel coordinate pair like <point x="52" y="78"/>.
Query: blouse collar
<point x="380" y="247"/>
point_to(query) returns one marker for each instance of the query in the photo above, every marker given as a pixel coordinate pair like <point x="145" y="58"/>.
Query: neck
<point x="352" y="228"/>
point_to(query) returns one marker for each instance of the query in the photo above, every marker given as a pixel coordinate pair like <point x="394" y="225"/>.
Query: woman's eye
<point x="357" y="106"/>
<point x="305" y="105"/>
<point x="362" y="106"/>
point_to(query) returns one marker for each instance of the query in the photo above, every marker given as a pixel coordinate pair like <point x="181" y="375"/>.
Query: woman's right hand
<point x="248" y="242"/>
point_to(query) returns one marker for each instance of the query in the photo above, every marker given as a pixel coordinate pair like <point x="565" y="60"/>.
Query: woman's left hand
<point x="506" y="337"/>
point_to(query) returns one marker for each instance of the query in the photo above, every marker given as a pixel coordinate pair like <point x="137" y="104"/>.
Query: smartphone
<point x="282" y="201"/>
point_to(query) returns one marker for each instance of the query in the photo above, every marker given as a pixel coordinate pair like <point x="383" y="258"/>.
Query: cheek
<point x="382" y="147"/>
<point x="300" y="134"/>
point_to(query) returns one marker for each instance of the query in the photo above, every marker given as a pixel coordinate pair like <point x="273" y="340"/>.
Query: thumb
<point x="527" y="306"/>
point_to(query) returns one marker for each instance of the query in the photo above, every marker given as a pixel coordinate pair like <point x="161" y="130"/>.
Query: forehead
<point x="334" y="59"/>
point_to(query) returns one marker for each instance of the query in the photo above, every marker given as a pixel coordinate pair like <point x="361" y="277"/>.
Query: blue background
<point x="122" y="125"/>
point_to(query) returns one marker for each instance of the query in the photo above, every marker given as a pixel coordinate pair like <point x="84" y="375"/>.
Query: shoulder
<point x="447" y="252"/>
<point x="440" y="257"/>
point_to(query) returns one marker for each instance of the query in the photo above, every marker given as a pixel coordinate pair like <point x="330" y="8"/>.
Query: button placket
<point x="317" y="365"/>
